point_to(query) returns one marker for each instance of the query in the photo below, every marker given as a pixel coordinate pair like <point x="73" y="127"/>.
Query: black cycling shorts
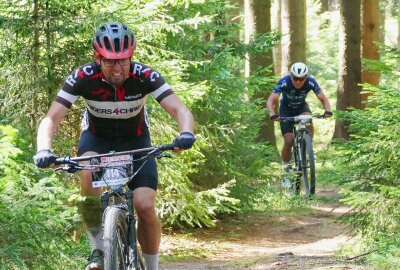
<point x="287" y="126"/>
<point x="146" y="177"/>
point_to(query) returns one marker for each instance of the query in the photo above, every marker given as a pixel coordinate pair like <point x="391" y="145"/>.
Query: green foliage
<point x="322" y="41"/>
<point x="389" y="258"/>
<point x="258" y="197"/>
<point x="36" y="223"/>
<point x="193" y="45"/>
<point x="372" y="159"/>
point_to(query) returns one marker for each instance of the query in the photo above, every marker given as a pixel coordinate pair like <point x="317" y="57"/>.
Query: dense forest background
<point x="223" y="59"/>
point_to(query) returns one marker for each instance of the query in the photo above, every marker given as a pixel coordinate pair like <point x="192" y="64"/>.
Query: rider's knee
<point x="146" y="210"/>
<point x="86" y="185"/>
<point x="91" y="210"/>
<point x="288" y="141"/>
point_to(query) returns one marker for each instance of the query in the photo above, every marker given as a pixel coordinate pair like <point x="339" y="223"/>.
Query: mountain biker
<point x="115" y="89"/>
<point x="293" y="90"/>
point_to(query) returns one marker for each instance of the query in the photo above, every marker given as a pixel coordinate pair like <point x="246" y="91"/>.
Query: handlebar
<point x="298" y="118"/>
<point x="72" y="164"/>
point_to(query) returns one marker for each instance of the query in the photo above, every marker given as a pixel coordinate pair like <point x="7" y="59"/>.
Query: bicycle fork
<point x="298" y="154"/>
<point x="132" y="232"/>
<point x="301" y="151"/>
<point x="132" y="260"/>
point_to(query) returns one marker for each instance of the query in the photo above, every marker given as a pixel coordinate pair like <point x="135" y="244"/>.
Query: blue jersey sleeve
<point x="314" y="85"/>
<point x="280" y="85"/>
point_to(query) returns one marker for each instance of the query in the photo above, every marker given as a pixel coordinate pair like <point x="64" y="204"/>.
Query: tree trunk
<point x="260" y="16"/>
<point x="324" y="6"/>
<point x="370" y="34"/>
<point x="293" y="22"/>
<point x="236" y="15"/>
<point x="277" y="26"/>
<point x="398" y="30"/>
<point x="349" y="62"/>
<point x="36" y="46"/>
<point x="382" y="22"/>
<point x="50" y="62"/>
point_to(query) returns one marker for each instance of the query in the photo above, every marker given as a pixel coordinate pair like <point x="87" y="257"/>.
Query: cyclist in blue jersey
<point x="293" y="90"/>
<point x="115" y="90"/>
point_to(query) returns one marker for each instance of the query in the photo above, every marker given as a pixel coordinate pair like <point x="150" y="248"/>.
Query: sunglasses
<point x="296" y="79"/>
<point x="112" y="62"/>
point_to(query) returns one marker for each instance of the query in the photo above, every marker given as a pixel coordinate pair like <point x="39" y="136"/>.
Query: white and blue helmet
<point x="299" y="70"/>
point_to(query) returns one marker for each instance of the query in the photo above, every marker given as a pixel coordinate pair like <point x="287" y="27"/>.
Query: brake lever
<point x="69" y="168"/>
<point x="162" y="155"/>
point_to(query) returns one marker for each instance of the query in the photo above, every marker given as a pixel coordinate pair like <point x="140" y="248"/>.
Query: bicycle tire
<point x="297" y="176"/>
<point x="308" y="165"/>
<point x="138" y="259"/>
<point x="116" y="248"/>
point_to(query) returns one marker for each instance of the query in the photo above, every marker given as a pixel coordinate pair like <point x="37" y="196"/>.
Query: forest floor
<point x="309" y="240"/>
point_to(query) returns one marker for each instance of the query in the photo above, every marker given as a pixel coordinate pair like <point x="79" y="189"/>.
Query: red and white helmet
<point x="114" y="41"/>
<point x="299" y="70"/>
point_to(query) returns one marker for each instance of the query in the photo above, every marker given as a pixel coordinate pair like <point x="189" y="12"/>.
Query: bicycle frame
<point x="303" y="153"/>
<point x="299" y="130"/>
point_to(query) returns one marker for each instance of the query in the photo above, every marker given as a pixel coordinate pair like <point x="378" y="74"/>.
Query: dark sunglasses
<point x="298" y="79"/>
<point x="112" y="62"/>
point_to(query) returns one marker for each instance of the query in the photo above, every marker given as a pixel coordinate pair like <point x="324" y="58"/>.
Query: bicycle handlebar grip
<point x="60" y="161"/>
<point x="64" y="160"/>
<point x="166" y="147"/>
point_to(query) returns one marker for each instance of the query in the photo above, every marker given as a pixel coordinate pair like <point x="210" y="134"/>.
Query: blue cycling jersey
<point x="292" y="98"/>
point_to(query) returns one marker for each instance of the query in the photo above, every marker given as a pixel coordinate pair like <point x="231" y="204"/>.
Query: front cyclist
<point x="115" y="89"/>
<point x="293" y="90"/>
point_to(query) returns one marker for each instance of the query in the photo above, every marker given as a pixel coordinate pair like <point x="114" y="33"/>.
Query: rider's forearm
<point x="185" y="120"/>
<point x="327" y="105"/>
<point x="45" y="134"/>
<point x="271" y="107"/>
<point x="324" y="101"/>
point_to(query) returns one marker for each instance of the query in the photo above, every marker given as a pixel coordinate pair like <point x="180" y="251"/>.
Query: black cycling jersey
<point x="113" y="112"/>
<point x="292" y="98"/>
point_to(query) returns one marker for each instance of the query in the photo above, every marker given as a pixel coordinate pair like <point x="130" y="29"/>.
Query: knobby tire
<point x="116" y="249"/>
<point x="297" y="177"/>
<point x="308" y="165"/>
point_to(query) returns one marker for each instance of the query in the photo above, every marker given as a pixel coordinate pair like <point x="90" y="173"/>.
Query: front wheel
<point x="308" y="165"/>
<point x="116" y="248"/>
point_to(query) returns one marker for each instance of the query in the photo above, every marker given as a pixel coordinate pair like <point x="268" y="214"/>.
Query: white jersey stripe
<point x="115" y="110"/>
<point x="160" y="90"/>
<point x="67" y="96"/>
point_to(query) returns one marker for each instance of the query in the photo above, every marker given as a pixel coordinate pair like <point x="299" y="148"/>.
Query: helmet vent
<point x="98" y="42"/>
<point x="107" y="44"/>
<point x="126" y="42"/>
<point x="117" y="45"/>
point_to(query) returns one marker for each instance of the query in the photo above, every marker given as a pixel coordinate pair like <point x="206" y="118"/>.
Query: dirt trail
<point x="260" y="241"/>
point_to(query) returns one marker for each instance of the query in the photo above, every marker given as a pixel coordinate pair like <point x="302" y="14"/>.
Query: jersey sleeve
<point x="314" y="85"/>
<point x="279" y="86"/>
<point x="70" y="91"/>
<point x="156" y="84"/>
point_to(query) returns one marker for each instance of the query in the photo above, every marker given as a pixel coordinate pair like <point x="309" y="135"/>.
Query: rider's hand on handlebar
<point x="44" y="158"/>
<point x="184" y="141"/>
<point x="327" y="114"/>
<point x="274" y="117"/>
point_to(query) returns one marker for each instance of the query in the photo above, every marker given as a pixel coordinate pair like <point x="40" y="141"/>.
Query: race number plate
<point x="116" y="173"/>
<point x="116" y="160"/>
